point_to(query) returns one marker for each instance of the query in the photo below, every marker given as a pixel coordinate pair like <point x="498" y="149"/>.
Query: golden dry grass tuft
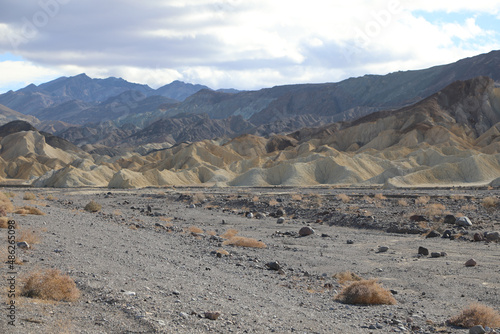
<point x="343" y="197"/>
<point x="346" y="276"/>
<point x="476" y="314"/>
<point x="422" y="200"/>
<point x="93" y="206"/>
<point x="30" y="236"/>
<point x="402" y="202"/>
<point x="244" y="242"/>
<point x="50" y="197"/>
<point x="194" y="229"/>
<point x="365" y="292"/>
<point x="29" y="210"/>
<point x="5" y="204"/>
<point x="379" y="197"/>
<point x="29" y="196"/>
<point x="229" y="233"/>
<point x="296" y="197"/>
<point x="434" y="209"/>
<point x="4" y="223"/>
<point x="273" y="202"/>
<point x="489" y="203"/>
<point x="222" y="251"/>
<point x="50" y="285"/>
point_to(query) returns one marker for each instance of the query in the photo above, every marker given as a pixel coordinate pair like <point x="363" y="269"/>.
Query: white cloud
<point x="245" y="44"/>
<point x="16" y="74"/>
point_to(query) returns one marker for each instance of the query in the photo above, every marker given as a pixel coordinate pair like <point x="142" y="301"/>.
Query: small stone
<point x="305" y="231"/>
<point x="435" y="254"/>
<point x="477" y="330"/>
<point x="129" y="293"/>
<point x="470" y="263"/>
<point x="443" y="254"/>
<point x="372" y="327"/>
<point x="433" y="234"/>
<point x="382" y="249"/>
<point x="23" y="245"/>
<point x="418" y="218"/>
<point x="447" y="234"/>
<point x="212" y="315"/>
<point x="249" y="215"/>
<point x="175" y="292"/>
<point x="423" y="251"/>
<point x="260" y="215"/>
<point x="464" y="222"/>
<point x="450" y="219"/>
<point x="183" y="315"/>
<point x="350" y="242"/>
<point x="192" y="206"/>
<point x="280" y="213"/>
<point x="492" y="236"/>
<point x="280" y="220"/>
<point x="273" y="265"/>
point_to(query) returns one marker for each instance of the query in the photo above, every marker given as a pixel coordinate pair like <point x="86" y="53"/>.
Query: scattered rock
<point x="418" y="218"/>
<point x="477" y="330"/>
<point x="183" y="315"/>
<point x="470" y="263"/>
<point x="280" y="220"/>
<point x="464" y="222"/>
<point x="280" y="213"/>
<point x="305" y="231"/>
<point x="382" y="249"/>
<point x="433" y="234"/>
<point x="350" y="242"/>
<point x="435" y="254"/>
<point x="249" y="215"/>
<point x="260" y="215"/>
<point x="212" y="315"/>
<point x="129" y="293"/>
<point x="192" y="206"/>
<point x="478" y="237"/>
<point x="423" y="251"/>
<point x="492" y="236"/>
<point x="447" y="234"/>
<point x="273" y="265"/>
<point x="23" y="245"/>
<point x="450" y="219"/>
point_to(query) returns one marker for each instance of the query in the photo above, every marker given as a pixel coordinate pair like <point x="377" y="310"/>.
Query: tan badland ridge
<point x="450" y="138"/>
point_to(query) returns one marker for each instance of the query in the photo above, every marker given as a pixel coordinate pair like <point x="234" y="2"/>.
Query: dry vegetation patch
<point x="29" y="210"/>
<point x="50" y="285"/>
<point x="344" y="198"/>
<point x="234" y="240"/>
<point x="93" y="206"/>
<point x="29" y="236"/>
<point x="422" y="200"/>
<point x="346" y="276"/>
<point x="5" y="204"/>
<point x="29" y="196"/>
<point x="476" y="314"/>
<point x="365" y="292"/>
<point x="4" y="223"/>
<point x="194" y="229"/>
<point x="490" y="203"/>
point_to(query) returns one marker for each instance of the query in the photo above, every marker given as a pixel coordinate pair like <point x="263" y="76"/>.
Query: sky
<point x="242" y="44"/>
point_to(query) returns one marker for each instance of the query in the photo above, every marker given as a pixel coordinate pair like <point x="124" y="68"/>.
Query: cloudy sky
<point x="243" y="44"/>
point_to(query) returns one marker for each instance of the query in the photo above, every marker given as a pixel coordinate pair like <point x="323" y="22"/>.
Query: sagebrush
<point x="50" y="285"/>
<point x="476" y="314"/>
<point x="365" y="292"/>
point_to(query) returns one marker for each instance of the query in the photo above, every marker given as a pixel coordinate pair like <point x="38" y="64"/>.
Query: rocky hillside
<point x="451" y="137"/>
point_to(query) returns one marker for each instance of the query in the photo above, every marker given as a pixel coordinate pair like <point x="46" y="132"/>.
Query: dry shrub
<point x="346" y="276"/>
<point x="50" y="197"/>
<point x="255" y="199"/>
<point x="29" y="236"/>
<point x="489" y="203"/>
<point x="468" y="207"/>
<point x="50" y="285"/>
<point x="273" y="202"/>
<point x="9" y="194"/>
<point x="198" y="198"/>
<point x="213" y="233"/>
<point x="194" y="229"/>
<point x="5" y="204"/>
<point x="344" y="198"/>
<point x="29" y="196"/>
<point x="229" y="233"/>
<point x="93" y="206"/>
<point x="365" y="292"/>
<point x="435" y="209"/>
<point x="296" y="197"/>
<point x="476" y="314"/>
<point x="379" y="197"/>
<point x="422" y="200"/>
<point x="4" y="223"/>
<point x="402" y="202"/>
<point x="29" y="210"/>
<point x="222" y="251"/>
<point x="367" y="199"/>
<point x="244" y="242"/>
<point x="457" y="197"/>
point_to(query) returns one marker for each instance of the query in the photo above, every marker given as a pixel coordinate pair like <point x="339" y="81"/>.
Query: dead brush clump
<point x="365" y="292"/>
<point x="28" y="196"/>
<point x="296" y="197"/>
<point x="31" y="237"/>
<point x="490" y="203"/>
<point x="346" y="276"/>
<point x="50" y="285"/>
<point x="234" y="240"/>
<point x="422" y="200"/>
<point x="92" y="206"/>
<point x="5" y="204"/>
<point x="344" y="198"/>
<point x="194" y="229"/>
<point x="379" y="197"/>
<point x="4" y="223"/>
<point x="402" y="202"/>
<point x="476" y="314"/>
<point x="435" y="209"/>
<point x="29" y="210"/>
<point x="367" y="199"/>
<point x="273" y="202"/>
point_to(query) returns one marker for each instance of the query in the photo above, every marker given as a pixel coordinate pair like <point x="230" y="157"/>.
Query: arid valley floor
<point x="155" y="260"/>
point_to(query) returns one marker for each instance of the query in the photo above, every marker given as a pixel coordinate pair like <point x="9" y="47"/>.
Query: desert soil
<point x="147" y="262"/>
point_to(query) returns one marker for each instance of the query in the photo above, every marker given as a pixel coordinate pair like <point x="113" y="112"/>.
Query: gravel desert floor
<point x="169" y="260"/>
